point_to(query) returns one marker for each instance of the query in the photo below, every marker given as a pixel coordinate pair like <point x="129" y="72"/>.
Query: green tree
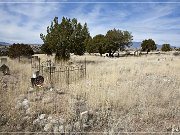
<point x="65" y="37"/>
<point x="17" y="50"/>
<point x="117" y="39"/>
<point x="90" y="47"/>
<point x="99" y="42"/>
<point x="79" y="36"/>
<point x="148" y="45"/>
<point x="51" y="39"/>
<point x="166" y="47"/>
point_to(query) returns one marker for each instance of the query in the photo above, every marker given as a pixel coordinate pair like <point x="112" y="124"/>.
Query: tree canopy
<point x="166" y="47"/>
<point x="70" y="36"/>
<point x="65" y="37"/>
<point x="96" y="44"/>
<point x="117" y="39"/>
<point x="148" y="45"/>
<point x="17" y="50"/>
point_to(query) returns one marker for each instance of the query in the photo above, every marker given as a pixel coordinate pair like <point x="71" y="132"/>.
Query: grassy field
<point x="126" y="94"/>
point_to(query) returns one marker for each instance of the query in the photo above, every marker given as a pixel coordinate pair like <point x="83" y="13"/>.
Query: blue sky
<point x="22" y="21"/>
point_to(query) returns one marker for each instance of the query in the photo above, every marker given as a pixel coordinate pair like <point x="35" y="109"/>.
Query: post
<point x="39" y="64"/>
<point x="31" y="61"/>
<point x="19" y="58"/>
<point x="85" y="67"/>
<point x="50" y="70"/>
<point x="68" y="76"/>
<point x="42" y="69"/>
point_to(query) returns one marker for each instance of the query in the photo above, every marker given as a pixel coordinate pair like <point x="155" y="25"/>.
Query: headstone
<point x="35" y="58"/>
<point x="3" y="60"/>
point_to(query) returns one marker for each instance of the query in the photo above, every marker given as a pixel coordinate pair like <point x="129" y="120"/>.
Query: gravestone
<point x="35" y="58"/>
<point x="3" y="60"/>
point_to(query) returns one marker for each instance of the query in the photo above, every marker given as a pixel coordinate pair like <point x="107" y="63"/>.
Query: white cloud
<point x="24" y="22"/>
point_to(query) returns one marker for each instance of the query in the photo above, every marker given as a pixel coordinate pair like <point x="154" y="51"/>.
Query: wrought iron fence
<point x="60" y="74"/>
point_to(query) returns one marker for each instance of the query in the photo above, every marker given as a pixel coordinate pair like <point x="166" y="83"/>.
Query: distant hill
<point x="138" y="45"/>
<point x="4" y="43"/>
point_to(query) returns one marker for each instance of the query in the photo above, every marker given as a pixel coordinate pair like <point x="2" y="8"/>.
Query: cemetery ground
<point x="118" y="95"/>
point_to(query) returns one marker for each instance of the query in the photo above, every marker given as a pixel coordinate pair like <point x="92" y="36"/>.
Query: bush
<point x="17" y="50"/>
<point x="177" y="49"/>
<point x="148" y="45"/>
<point x="166" y="47"/>
<point x="176" y="53"/>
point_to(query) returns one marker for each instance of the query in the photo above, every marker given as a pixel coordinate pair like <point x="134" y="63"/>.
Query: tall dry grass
<point x="140" y="93"/>
<point x="145" y="90"/>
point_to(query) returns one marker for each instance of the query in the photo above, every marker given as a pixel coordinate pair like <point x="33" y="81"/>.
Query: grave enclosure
<point x="55" y="73"/>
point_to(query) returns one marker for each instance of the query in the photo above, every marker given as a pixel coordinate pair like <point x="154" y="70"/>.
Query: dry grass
<point x="132" y="94"/>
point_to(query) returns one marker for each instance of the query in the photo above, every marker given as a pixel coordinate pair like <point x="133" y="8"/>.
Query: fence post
<point x="85" y="66"/>
<point x="50" y="70"/>
<point x="42" y="69"/>
<point x="31" y="61"/>
<point x="68" y="76"/>
<point x="39" y="64"/>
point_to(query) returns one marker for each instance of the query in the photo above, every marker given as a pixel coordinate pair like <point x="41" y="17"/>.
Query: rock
<point x="36" y="121"/>
<point x="54" y="121"/>
<point x="55" y="129"/>
<point x="48" y="127"/>
<point x="61" y="129"/>
<point x="77" y="126"/>
<point x="61" y="121"/>
<point x="91" y="122"/>
<point x="25" y="104"/>
<point x="26" y="118"/>
<point x="43" y="122"/>
<point x="84" y="113"/>
<point x="86" y="127"/>
<point x="84" y="116"/>
<point x="68" y="128"/>
<point x="19" y="127"/>
<point x="29" y="111"/>
<point x="42" y="116"/>
<point x="49" y="118"/>
<point x="18" y="105"/>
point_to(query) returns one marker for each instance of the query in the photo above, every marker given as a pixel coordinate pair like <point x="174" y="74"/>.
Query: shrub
<point x="17" y="50"/>
<point x="166" y="47"/>
<point x="148" y="45"/>
<point x="176" y="53"/>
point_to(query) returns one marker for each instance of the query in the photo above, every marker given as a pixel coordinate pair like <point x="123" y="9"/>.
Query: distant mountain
<point x="138" y="45"/>
<point x="4" y="43"/>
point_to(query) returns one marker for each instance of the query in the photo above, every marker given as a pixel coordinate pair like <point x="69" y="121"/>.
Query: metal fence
<point x="59" y="74"/>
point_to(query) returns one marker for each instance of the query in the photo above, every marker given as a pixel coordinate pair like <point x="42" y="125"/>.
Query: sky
<point x="22" y="21"/>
